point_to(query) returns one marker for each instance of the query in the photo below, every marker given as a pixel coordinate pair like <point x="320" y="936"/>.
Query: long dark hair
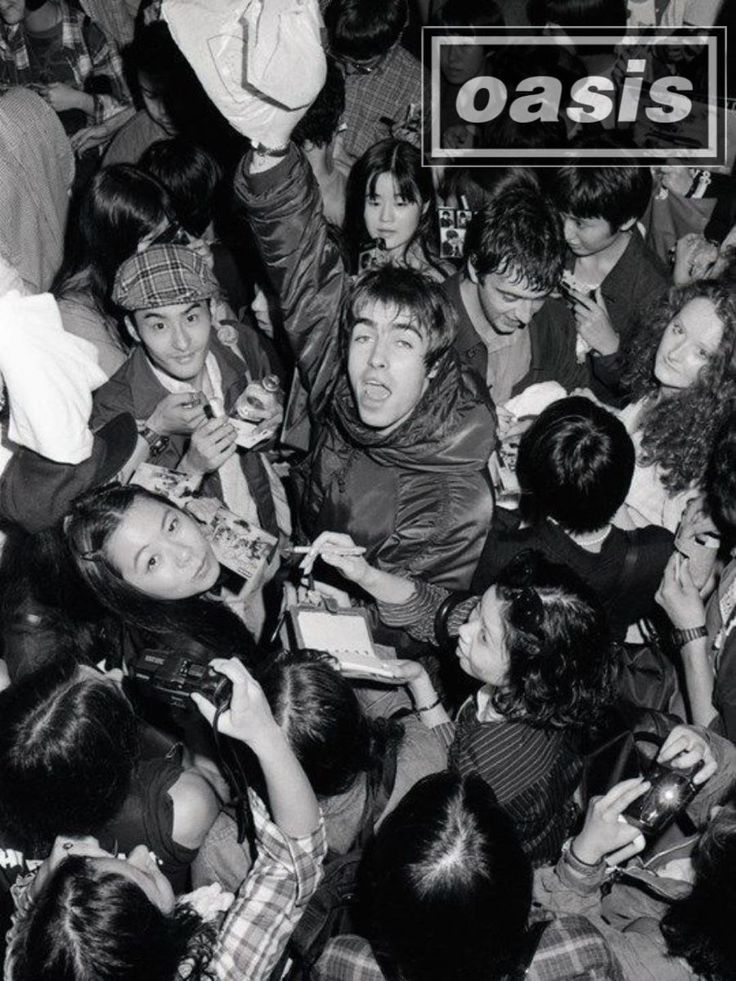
<point x="318" y="709"/>
<point x="403" y="162"/>
<point x="120" y="207"/>
<point x="678" y="432"/>
<point x="90" y="924"/>
<point x="68" y="745"/>
<point x="85" y="531"/>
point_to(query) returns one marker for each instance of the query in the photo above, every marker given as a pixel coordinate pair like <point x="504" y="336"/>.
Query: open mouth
<point x="375" y="392"/>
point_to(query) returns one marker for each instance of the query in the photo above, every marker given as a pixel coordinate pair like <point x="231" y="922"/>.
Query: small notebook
<point x="345" y="635"/>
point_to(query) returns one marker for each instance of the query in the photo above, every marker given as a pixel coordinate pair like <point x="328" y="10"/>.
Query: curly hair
<point x="562" y="661"/>
<point x="678" y="433"/>
<point x="325" y="725"/>
<point x="90" y="924"/>
<point x="699" y="928"/>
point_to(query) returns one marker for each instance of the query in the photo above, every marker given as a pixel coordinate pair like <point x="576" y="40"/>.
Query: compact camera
<point x="670" y="792"/>
<point x="173" y="679"/>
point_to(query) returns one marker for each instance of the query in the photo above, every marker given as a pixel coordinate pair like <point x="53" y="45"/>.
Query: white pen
<point x="338" y="549"/>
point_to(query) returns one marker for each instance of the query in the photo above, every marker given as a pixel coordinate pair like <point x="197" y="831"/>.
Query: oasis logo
<point x="503" y="96"/>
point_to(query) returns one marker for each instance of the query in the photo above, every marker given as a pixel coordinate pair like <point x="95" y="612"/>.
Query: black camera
<point x="173" y="679"/>
<point x="670" y="792"/>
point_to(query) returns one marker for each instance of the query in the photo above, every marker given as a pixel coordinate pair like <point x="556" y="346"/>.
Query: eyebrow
<point x="153" y="315"/>
<point x="396" y="325"/>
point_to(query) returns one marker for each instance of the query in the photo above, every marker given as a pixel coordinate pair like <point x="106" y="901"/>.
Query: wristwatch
<point x="156" y="442"/>
<point x="682" y="637"/>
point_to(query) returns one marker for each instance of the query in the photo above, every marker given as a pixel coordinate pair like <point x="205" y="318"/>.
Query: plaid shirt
<point x="89" y="51"/>
<point x="270" y="902"/>
<point x="386" y="93"/>
<point x="570" y="948"/>
<point x="262" y="918"/>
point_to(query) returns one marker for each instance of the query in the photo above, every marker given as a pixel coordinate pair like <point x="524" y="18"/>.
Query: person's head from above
<point x="191" y="177"/>
<point x="599" y="204"/>
<point x="319" y="126"/>
<point x="682" y="360"/>
<point x="514" y="254"/>
<point x="578" y="13"/>
<point x="446" y="886"/>
<point x="389" y="196"/>
<point x="128" y="544"/>
<point x="699" y="927"/>
<point x="166" y="292"/>
<point x="68" y="745"/>
<point x="362" y="34"/>
<point x="122" y="206"/>
<point x="398" y="327"/>
<point x="102" y="916"/>
<point x="720" y="483"/>
<point x="319" y="712"/>
<point x="540" y="640"/>
<point x="461" y="62"/>
<point x="575" y="465"/>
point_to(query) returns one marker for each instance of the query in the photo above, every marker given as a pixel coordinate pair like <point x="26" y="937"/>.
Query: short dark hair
<point x="469" y="13"/>
<point x="91" y="923"/>
<point x="424" y="300"/>
<point x="617" y="194"/>
<point x="319" y="123"/>
<point x="68" y="744"/>
<point x="446" y="886"/>
<point x="323" y="720"/>
<point x="191" y="176"/>
<point x="699" y="927"/>
<point x="575" y="465"/>
<point x="562" y="661"/>
<point x="518" y="231"/>
<point x="364" y="29"/>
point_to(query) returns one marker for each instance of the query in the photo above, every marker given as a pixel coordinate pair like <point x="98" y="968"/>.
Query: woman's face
<point x="140" y="867"/>
<point x="390" y="216"/>
<point x="160" y="550"/>
<point x="690" y="340"/>
<point x="481" y="647"/>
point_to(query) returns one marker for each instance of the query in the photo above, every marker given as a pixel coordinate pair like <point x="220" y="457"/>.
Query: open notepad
<point x="345" y="635"/>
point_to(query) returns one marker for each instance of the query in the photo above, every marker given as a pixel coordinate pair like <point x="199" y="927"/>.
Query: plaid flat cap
<point x="161" y="276"/>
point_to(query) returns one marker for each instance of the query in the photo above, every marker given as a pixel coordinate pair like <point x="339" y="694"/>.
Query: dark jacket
<point x="134" y="388"/>
<point x="418" y="498"/>
<point x="638" y="280"/>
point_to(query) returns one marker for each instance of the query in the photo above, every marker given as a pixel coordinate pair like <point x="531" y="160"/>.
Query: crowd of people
<point x="260" y="360"/>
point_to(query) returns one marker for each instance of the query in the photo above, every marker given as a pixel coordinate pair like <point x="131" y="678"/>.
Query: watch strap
<point x="156" y="442"/>
<point x="682" y="637"/>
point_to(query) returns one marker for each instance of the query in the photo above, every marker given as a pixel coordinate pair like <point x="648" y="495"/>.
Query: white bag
<point x="260" y="61"/>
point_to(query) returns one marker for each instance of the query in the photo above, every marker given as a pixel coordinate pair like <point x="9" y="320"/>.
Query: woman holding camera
<point x="87" y="914"/>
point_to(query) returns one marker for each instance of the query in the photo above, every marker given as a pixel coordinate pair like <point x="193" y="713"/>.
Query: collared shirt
<point x="264" y="914"/>
<point x="87" y="50"/>
<point x="570" y="947"/>
<point x="387" y="92"/>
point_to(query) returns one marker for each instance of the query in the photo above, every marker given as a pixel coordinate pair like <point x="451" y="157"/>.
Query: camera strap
<point x="238" y="783"/>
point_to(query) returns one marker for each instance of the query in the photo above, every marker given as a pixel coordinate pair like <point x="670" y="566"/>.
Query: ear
<point x="627" y="225"/>
<point x="471" y="270"/>
<point x="432" y="373"/>
<point x="425" y="207"/>
<point x="130" y="327"/>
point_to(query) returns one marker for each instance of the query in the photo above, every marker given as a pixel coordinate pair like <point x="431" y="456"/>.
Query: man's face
<point x="507" y="302"/>
<point x="12" y="11"/>
<point x="386" y="365"/>
<point x="176" y="338"/>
